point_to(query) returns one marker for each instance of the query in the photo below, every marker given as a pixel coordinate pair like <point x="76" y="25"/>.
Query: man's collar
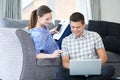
<point x="84" y="34"/>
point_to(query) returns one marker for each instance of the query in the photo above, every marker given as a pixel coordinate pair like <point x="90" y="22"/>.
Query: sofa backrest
<point x="104" y="28"/>
<point x="110" y="33"/>
<point x="13" y="23"/>
<point x="17" y="23"/>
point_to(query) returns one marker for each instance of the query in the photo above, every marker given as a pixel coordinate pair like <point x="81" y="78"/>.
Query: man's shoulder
<point x="68" y="38"/>
<point x="92" y="33"/>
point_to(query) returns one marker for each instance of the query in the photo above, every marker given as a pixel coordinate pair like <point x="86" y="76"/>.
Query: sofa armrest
<point x="48" y="62"/>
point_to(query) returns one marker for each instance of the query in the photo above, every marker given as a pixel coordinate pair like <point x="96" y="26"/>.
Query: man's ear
<point x="84" y="25"/>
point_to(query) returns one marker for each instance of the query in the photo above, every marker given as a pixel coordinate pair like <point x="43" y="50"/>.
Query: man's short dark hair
<point x="75" y="17"/>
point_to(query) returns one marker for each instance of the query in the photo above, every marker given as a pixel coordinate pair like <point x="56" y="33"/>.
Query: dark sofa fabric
<point x="112" y="43"/>
<point x="110" y="33"/>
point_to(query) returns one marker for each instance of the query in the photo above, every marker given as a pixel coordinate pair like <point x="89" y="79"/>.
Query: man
<point x="83" y="44"/>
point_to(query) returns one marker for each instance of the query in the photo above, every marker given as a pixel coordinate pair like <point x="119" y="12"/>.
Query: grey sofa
<point x="17" y="57"/>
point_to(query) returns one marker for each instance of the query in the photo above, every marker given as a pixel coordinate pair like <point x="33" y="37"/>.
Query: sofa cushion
<point x="13" y="23"/>
<point x="112" y="57"/>
<point x="112" y="43"/>
<point x="113" y="29"/>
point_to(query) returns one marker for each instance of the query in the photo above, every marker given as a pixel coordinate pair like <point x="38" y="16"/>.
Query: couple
<point x="73" y="46"/>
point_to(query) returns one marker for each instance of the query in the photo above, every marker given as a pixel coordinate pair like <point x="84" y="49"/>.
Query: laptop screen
<point x="85" y="67"/>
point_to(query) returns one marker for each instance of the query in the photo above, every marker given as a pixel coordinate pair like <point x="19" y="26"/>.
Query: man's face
<point x="77" y="28"/>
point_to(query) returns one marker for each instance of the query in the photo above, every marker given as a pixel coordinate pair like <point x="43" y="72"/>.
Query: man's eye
<point x="47" y="19"/>
<point x="73" y="27"/>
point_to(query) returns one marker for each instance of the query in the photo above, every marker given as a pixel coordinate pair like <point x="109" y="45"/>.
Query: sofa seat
<point x="113" y="57"/>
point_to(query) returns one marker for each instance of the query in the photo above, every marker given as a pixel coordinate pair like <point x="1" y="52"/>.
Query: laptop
<point x="85" y="67"/>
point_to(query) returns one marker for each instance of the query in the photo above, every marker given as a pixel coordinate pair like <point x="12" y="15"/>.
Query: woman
<point x="45" y="46"/>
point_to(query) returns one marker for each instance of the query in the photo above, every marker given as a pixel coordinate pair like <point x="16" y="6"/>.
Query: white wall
<point x="83" y="6"/>
<point x="25" y="3"/>
<point x="110" y="10"/>
<point x="51" y="4"/>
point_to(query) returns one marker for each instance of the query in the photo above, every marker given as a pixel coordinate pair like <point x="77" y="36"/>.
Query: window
<point x="29" y="5"/>
<point x="65" y="8"/>
<point x="62" y="9"/>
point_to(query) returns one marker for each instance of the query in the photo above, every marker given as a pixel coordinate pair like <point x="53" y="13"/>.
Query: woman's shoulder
<point x="37" y="31"/>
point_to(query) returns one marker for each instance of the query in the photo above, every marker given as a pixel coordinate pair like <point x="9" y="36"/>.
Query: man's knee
<point x="108" y="70"/>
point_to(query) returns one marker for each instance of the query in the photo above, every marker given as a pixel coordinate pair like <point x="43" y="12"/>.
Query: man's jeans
<point x="107" y="72"/>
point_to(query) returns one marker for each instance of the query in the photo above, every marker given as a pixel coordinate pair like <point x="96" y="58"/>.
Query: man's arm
<point x="102" y="55"/>
<point x="65" y="61"/>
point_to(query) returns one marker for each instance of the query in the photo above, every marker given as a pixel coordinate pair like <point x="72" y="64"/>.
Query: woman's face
<point x="45" y="19"/>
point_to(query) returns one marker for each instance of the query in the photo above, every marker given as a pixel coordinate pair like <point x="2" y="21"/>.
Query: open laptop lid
<point x="85" y="67"/>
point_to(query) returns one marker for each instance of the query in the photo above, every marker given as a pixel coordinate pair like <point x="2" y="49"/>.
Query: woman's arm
<point x="55" y="54"/>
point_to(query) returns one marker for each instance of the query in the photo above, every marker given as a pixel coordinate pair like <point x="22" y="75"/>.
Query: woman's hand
<point x="56" y="53"/>
<point x="53" y="31"/>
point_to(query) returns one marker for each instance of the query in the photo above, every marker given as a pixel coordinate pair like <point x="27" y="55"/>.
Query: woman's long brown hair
<point x="35" y="13"/>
